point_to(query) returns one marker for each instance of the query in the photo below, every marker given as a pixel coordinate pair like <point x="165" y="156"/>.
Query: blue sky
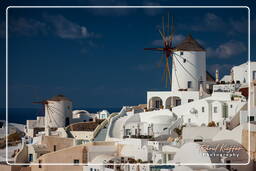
<point x="95" y="56"/>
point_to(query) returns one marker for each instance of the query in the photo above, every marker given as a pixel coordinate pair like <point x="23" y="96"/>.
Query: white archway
<point x="155" y="103"/>
<point x="172" y="102"/>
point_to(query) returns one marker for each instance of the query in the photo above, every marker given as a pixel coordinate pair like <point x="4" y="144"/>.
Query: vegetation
<point x="212" y="124"/>
<point x="179" y="130"/>
<point x="13" y="139"/>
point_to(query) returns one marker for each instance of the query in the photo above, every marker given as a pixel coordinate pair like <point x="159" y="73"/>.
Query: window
<point x="231" y="106"/>
<point x="54" y="147"/>
<point x="39" y="164"/>
<point x="170" y="157"/>
<point x="251" y="118"/>
<point x="76" y="161"/>
<point x="190" y="100"/>
<point x="178" y="102"/>
<point x="67" y="121"/>
<point x="253" y="75"/>
<point x="189" y="84"/>
<point x="158" y="104"/>
<point x="215" y="109"/>
<point x="30" y="157"/>
<point x="127" y="132"/>
<point x="225" y="111"/>
<point x="198" y="140"/>
<point x="189" y="120"/>
<point x="203" y="109"/>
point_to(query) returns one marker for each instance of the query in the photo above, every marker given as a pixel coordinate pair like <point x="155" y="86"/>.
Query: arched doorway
<point x="172" y="102"/>
<point x="155" y="103"/>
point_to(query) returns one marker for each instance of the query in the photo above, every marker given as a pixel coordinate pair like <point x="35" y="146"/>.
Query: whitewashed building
<point x="189" y="65"/>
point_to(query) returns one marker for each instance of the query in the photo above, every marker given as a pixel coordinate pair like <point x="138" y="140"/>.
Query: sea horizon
<point x="20" y="115"/>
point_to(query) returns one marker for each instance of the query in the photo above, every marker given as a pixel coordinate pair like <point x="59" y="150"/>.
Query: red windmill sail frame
<point x="167" y="48"/>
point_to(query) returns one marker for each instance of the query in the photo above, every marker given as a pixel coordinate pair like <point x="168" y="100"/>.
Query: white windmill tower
<point x="188" y="60"/>
<point x="189" y="65"/>
<point x="58" y="111"/>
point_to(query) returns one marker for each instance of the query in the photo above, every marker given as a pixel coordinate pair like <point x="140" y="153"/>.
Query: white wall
<point x="164" y="95"/>
<point x="135" y="148"/>
<point x="196" y="70"/>
<point x="240" y="73"/>
<point x="216" y="100"/>
<point x="56" y="113"/>
<point x="198" y="118"/>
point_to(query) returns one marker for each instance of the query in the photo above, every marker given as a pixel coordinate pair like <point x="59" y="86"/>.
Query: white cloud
<point x="24" y="26"/>
<point x="110" y="11"/>
<point x="222" y="68"/>
<point x="226" y="50"/>
<point x="158" y="42"/>
<point x="67" y="29"/>
<point x="152" y="11"/>
<point x="56" y="24"/>
<point x="240" y="26"/>
<point x="210" y="22"/>
<point x="176" y="40"/>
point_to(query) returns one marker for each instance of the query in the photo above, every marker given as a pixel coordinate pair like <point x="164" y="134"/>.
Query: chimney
<point x="217" y="75"/>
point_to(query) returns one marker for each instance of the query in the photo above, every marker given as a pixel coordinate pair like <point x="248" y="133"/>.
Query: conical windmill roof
<point x="189" y="44"/>
<point x="58" y="98"/>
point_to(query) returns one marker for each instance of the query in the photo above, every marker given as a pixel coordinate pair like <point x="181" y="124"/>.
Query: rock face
<point x="12" y="128"/>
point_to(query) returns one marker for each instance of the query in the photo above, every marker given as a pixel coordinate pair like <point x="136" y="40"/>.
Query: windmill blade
<point x="155" y="49"/>
<point x="175" y="72"/>
<point x="164" y="74"/>
<point x="168" y="70"/>
<point x="161" y="61"/>
<point x="166" y="79"/>
<point x="163" y="26"/>
<point x="168" y="24"/>
<point x="172" y="33"/>
<point x="40" y="102"/>
<point x="162" y="35"/>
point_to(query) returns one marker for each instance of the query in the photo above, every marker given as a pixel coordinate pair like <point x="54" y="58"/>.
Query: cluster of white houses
<point x="174" y="127"/>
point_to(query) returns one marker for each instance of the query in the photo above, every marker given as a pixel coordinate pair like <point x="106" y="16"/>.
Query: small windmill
<point x="167" y="49"/>
<point x="50" y="110"/>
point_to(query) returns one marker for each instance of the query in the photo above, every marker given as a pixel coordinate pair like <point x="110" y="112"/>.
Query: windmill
<point x="167" y="49"/>
<point x="51" y="111"/>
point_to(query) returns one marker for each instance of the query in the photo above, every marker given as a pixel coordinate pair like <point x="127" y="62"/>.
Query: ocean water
<point x="20" y="115"/>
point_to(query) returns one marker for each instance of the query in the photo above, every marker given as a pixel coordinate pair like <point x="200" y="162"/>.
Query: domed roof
<point x="189" y="44"/>
<point x="75" y="112"/>
<point x="104" y="112"/>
